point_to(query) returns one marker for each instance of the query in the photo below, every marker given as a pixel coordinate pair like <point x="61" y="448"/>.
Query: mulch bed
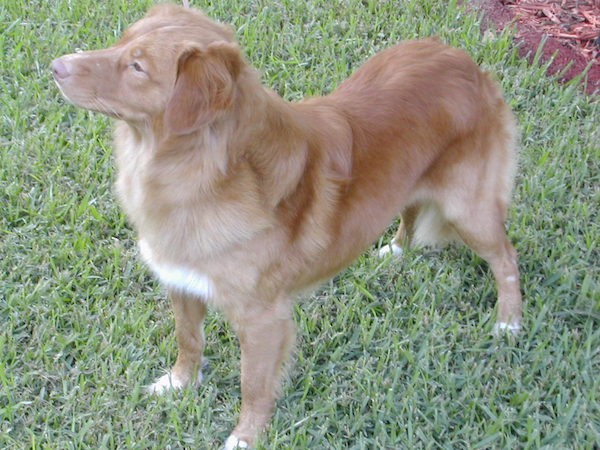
<point x="570" y="28"/>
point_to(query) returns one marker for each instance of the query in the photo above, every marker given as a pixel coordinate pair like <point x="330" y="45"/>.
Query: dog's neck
<point x="262" y="133"/>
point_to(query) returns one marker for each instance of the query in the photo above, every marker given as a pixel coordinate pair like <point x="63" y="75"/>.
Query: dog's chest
<point x="178" y="277"/>
<point x="190" y="237"/>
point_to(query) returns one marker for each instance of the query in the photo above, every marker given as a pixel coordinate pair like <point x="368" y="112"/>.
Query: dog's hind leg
<point x="422" y="224"/>
<point x="266" y="334"/>
<point x="483" y="231"/>
<point x="404" y="236"/>
<point x="406" y="230"/>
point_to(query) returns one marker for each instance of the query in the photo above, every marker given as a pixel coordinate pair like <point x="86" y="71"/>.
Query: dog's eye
<point x="136" y="66"/>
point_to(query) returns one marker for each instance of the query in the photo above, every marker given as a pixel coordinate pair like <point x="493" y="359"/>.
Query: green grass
<point x="391" y="354"/>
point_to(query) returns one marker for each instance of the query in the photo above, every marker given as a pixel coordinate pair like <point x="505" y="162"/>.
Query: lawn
<point x="390" y="355"/>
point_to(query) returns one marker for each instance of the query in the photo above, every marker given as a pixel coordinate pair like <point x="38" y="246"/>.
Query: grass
<point x="390" y="355"/>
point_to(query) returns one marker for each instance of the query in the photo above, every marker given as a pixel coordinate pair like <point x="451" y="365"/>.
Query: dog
<point x="242" y="200"/>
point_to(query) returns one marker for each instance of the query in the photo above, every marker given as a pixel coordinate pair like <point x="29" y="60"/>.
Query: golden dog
<point x="241" y="199"/>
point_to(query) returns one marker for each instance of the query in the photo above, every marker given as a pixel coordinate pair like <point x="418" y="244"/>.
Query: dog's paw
<point x="233" y="443"/>
<point x="390" y="249"/>
<point x="170" y="382"/>
<point x="501" y="328"/>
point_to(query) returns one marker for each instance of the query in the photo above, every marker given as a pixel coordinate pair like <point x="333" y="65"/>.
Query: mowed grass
<point x="390" y="355"/>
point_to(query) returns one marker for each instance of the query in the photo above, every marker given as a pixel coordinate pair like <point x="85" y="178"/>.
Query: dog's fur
<point x="241" y="199"/>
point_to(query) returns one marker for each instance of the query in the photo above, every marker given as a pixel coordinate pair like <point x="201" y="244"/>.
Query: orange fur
<point x="229" y="185"/>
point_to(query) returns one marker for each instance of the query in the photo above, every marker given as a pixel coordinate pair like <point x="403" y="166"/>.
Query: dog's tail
<point x="431" y="228"/>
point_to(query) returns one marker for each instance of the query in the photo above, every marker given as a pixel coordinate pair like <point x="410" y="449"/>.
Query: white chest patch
<point x="177" y="277"/>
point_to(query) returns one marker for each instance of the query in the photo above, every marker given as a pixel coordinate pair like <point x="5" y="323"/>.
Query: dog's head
<point x="174" y="66"/>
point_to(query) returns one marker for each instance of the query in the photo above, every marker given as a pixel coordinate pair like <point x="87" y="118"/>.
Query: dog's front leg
<point x="266" y="333"/>
<point x="189" y="315"/>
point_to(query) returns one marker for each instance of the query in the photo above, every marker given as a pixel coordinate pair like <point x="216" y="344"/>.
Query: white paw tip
<point x="169" y="382"/>
<point x="503" y="327"/>
<point x="232" y="443"/>
<point x="392" y="248"/>
<point x="166" y="383"/>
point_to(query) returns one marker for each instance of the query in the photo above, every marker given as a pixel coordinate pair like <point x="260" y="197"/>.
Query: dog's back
<point x="422" y="118"/>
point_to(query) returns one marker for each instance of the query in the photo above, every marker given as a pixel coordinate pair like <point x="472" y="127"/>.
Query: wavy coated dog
<point x="241" y="200"/>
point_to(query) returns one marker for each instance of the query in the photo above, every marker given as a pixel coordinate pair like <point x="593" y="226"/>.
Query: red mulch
<point x="571" y="29"/>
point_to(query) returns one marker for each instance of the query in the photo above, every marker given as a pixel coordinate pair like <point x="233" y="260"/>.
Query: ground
<point x="571" y="29"/>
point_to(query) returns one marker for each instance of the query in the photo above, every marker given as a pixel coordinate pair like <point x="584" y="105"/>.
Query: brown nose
<point x="59" y="69"/>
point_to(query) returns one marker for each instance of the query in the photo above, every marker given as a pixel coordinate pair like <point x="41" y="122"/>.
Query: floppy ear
<point x="205" y="86"/>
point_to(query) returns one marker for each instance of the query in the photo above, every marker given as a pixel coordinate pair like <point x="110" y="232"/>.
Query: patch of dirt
<point x="571" y="29"/>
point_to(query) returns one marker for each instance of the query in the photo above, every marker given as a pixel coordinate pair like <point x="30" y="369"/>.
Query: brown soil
<point x="571" y="29"/>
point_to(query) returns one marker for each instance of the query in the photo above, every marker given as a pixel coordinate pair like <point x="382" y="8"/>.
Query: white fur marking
<point x="169" y="382"/>
<point x="392" y="248"/>
<point x="232" y="443"/>
<point x="166" y="383"/>
<point x="501" y="327"/>
<point x="177" y="277"/>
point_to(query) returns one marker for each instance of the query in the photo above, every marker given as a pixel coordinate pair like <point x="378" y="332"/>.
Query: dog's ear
<point x="205" y="86"/>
